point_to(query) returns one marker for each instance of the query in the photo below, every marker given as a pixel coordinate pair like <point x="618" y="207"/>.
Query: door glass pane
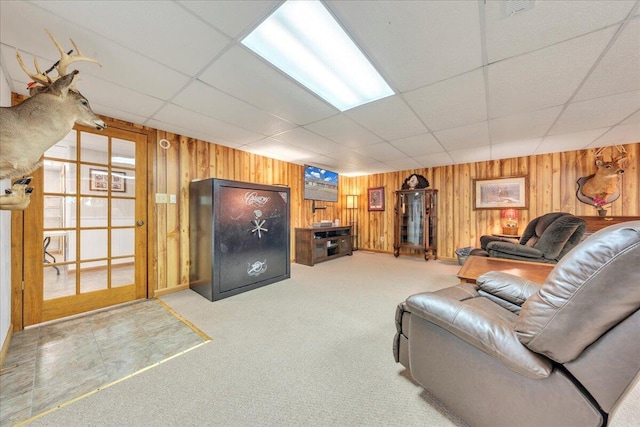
<point x="122" y="272"/>
<point x="123" y="212"/>
<point x="93" y="211"/>
<point x="93" y="244"/>
<point x="69" y="252"/>
<point x="65" y="149"/>
<point x="93" y="277"/>
<point x="54" y="176"/>
<point x="53" y="212"/>
<point x="122" y="241"/>
<point x="94" y="148"/>
<point x="59" y="281"/>
<point x="123" y="153"/>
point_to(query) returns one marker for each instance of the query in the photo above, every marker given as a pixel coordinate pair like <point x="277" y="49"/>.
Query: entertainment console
<point x="319" y="244"/>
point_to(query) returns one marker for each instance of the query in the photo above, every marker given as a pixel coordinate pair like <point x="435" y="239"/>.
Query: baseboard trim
<point x="161" y="292"/>
<point x="5" y="345"/>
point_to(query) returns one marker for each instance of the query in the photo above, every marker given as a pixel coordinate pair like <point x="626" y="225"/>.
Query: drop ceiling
<point x="472" y="82"/>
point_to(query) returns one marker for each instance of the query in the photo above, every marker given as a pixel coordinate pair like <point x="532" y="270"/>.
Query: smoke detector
<point x="511" y="7"/>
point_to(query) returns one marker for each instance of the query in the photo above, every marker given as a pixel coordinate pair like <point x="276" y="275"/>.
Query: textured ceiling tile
<point x="621" y="134"/>
<point x="523" y="126"/>
<point x="415" y="43"/>
<point x="619" y="70"/>
<point x="569" y="142"/>
<point x="543" y="78"/>
<point x="454" y="102"/>
<point x="470" y="136"/>
<point x="244" y="75"/>
<point x="418" y="145"/>
<point x="597" y="113"/>
<point x="390" y="118"/>
<point x="343" y="130"/>
<point x="548" y="22"/>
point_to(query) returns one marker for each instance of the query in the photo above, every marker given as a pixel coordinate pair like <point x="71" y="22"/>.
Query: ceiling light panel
<point x="302" y="39"/>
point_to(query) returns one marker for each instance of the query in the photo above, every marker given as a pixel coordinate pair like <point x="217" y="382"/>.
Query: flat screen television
<point x="320" y="184"/>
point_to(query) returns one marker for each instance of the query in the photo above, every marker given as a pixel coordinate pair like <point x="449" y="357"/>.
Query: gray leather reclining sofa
<point x="510" y="352"/>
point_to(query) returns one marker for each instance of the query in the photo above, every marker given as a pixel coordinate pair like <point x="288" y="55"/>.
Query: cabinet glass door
<point x="411" y="219"/>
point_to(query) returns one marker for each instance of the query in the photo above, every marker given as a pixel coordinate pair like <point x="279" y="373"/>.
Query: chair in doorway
<point x="45" y="244"/>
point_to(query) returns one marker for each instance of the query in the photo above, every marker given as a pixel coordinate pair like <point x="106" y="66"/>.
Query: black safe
<point x="239" y="236"/>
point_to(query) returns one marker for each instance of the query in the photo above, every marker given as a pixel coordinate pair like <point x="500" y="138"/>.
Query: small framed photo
<point x="376" y="199"/>
<point x="500" y="193"/>
<point x="99" y="180"/>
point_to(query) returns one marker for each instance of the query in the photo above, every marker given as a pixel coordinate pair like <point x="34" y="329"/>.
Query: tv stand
<point x="319" y="244"/>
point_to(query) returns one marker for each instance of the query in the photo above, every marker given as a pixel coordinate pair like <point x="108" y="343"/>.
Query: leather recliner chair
<point x="510" y="352"/>
<point x="546" y="238"/>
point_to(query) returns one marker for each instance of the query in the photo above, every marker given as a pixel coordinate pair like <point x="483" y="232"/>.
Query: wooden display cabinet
<point x="416" y="222"/>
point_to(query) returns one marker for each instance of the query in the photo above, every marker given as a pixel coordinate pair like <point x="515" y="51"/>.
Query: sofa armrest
<point x="509" y="287"/>
<point x="515" y="249"/>
<point x="482" y="329"/>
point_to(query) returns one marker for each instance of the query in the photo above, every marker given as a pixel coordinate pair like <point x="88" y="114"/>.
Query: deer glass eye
<point x="84" y="102"/>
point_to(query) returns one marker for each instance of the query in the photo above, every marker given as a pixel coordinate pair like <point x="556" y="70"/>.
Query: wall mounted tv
<point x="320" y="184"/>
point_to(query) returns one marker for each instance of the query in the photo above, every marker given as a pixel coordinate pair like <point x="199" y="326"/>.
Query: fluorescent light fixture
<point x="303" y="39"/>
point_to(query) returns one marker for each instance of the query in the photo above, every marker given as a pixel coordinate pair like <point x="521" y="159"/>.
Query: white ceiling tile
<point x="178" y="116"/>
<point x="343" y="130"/>
<point x="569" y="141"/>
<point x="548" y="22"/>
<point x="471" y="136"/>
<point x="543" y="78"/>
<point x="275" y="149"/>
<point x="407" y="163"/>
<point x="381" y="152"/>
<point x="523" y="126"/>
<point x="352" y="157"/>
<point x="116" y="113"/>
<point x="418" y="145"/>
<point x="433" y="160"/>
<point x="634" y="118"/>
<point x="120" y="98"/>
<point x="390" y="118"/>
<point x="200" y="97"/>
<point x="619" y="70"/>
<point x="152" y="37"/>
<point x="597" y="113"/>
<point x="244" y="75"/>
<point x="302" y="138"/>
<point x="549" y="56"/>
<point x="470" y="155"/>
<point x="415" y="43"/>
<point x="231" y="16"/>
<point x="454" y="102"/>
<point x="621" y="134"/>
<point x="513" y="149"/>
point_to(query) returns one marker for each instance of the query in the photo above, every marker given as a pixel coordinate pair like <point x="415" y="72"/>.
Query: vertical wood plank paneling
<point x="552" y="184"/>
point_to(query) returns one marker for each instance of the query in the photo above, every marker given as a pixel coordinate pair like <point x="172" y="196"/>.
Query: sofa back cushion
<point x="593" y="288"/>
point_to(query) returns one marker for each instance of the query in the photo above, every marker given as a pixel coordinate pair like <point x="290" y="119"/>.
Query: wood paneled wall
<point x="552" y="185"/>
<point x="552" y="188"/>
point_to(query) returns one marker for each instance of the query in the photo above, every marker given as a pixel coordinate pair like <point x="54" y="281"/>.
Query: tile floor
<point x="51" y="364"/>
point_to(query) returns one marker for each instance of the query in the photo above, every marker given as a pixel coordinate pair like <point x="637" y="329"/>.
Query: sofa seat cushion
<point x="481" y="323"/>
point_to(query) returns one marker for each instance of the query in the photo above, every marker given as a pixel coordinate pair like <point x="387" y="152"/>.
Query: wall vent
<point x="511" y="7"/>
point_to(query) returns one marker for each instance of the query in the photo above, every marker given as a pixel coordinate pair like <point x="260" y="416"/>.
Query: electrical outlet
<point x="381" y="239"/>
<point x="161" y="197"/>
<point x="172" y="199"/>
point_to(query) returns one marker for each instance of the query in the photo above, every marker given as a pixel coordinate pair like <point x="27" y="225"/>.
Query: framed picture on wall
<point x="500" y="193"/>
<point x="99" y="180"/>
<point x="376" y="199"/>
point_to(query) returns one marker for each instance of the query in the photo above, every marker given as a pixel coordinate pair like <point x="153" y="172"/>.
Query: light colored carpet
<point x="313" y="350"/>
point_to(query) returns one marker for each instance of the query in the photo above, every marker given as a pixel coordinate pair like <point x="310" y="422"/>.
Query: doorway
<point x="85" y="231"/>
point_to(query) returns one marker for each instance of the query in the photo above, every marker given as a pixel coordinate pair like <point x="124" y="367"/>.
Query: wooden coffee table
<point x="475" y="266"/>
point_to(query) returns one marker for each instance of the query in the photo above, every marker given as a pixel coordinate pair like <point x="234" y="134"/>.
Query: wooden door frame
<point x="18" y="222"/>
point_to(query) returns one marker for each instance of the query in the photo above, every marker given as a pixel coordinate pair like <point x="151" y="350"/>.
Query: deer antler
<point x="66" y="59"/>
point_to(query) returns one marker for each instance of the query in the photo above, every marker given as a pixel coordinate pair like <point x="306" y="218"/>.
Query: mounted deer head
<point x="30" y="128"/>
<point x="603" y="185"/>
